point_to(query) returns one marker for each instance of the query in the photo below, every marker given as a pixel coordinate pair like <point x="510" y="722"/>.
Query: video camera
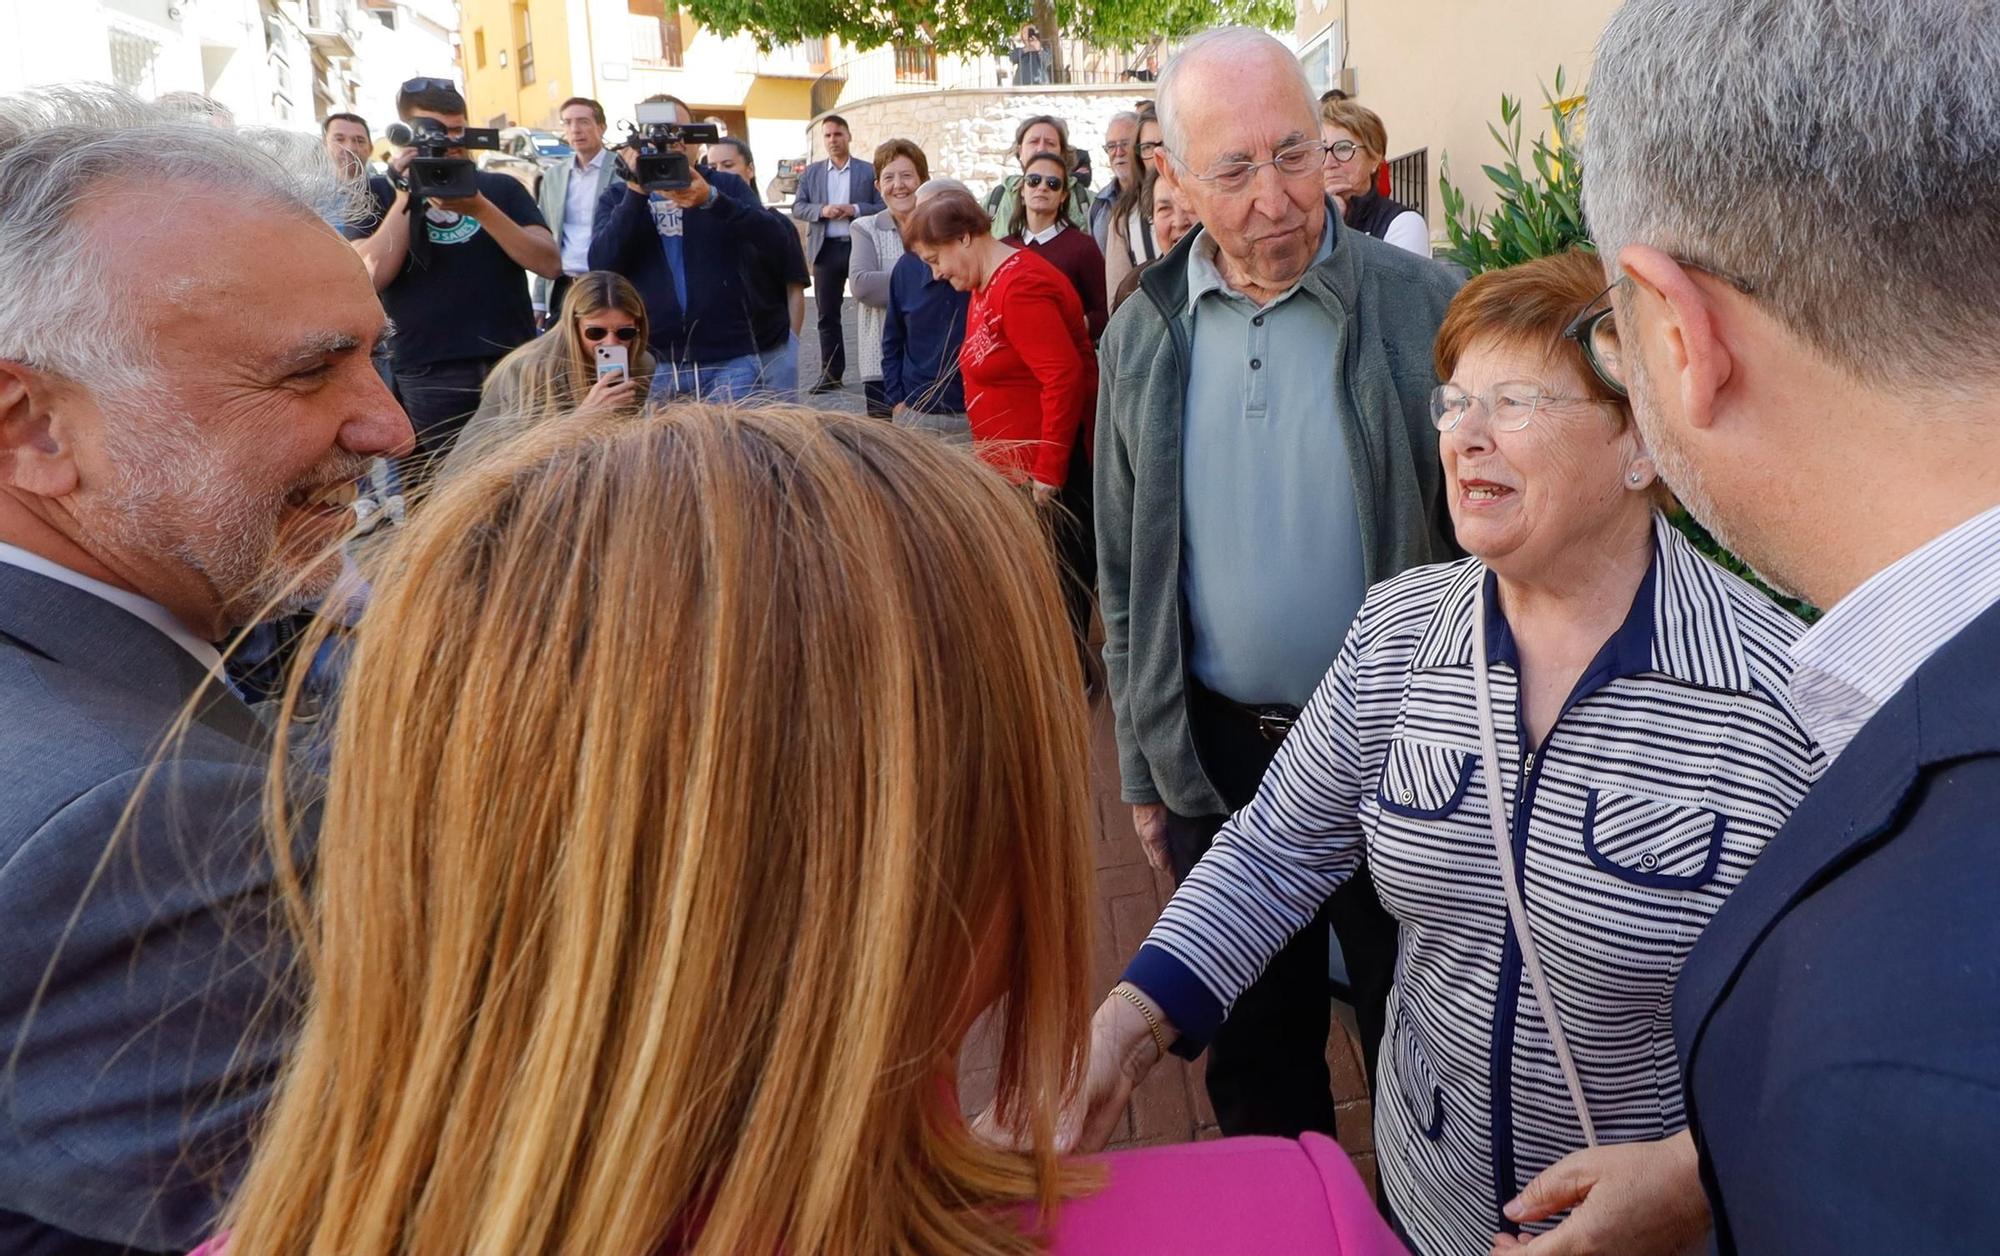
<point x="431" y="172"/>
<point x="661" y="167"/>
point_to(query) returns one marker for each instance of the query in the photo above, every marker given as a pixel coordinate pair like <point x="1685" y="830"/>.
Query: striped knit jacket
<point x="1675" y="759"/>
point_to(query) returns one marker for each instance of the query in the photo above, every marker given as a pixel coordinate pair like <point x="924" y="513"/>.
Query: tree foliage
<point x="978" y="26"/>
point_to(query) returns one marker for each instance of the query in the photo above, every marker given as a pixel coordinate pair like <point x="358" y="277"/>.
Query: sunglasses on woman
<point x="1053" y="182"/>
<point x="625" y="334"/>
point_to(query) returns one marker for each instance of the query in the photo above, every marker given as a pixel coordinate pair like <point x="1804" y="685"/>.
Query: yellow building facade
<point x="1435" y="71"/>
<point x="523" y="58"/>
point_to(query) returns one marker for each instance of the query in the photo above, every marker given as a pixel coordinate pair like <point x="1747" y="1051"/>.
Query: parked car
<point x="523" y="153"/>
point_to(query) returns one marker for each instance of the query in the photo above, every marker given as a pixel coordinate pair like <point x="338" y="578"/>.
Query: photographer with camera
<point x="681" y="231"/>
<point x="446" y="248"/>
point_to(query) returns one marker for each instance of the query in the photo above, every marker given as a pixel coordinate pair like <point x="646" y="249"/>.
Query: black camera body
<point x="662" y="167"/>
<point x="432" y="173"/>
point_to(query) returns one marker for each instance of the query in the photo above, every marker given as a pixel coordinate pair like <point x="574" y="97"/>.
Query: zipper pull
<point x="1528" y="764"/>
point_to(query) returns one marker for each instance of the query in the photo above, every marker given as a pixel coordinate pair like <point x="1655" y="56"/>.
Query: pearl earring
<point x="1636" y="479"/>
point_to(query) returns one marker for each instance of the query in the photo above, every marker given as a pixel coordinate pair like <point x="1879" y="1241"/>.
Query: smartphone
<point x="611" y="358"/>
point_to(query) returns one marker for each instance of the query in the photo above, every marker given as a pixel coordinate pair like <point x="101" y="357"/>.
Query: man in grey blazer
<point x="833" y="192"/>
<point x="568" y="199"/>
<point x="186" y="400"/>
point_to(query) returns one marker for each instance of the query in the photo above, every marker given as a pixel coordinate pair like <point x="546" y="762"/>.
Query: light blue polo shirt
<point x="1271" y="560"/>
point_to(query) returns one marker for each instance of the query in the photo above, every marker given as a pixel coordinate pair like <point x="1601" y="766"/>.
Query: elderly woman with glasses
<point x="1559" y="755"/>
<point x="1356" y="146"/>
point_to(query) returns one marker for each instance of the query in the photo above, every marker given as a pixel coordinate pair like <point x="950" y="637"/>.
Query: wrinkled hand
<point x="1122" y="1052"/>
<point x="611" y="392"/>
<point x="1633" y="1199"/>
<point x="1149" y="821"/>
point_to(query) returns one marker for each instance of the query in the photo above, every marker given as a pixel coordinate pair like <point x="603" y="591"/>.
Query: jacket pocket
<point x="1422" y="781"/>
<point x="1644" y="841"/>
<point x="1416" y="1081"/>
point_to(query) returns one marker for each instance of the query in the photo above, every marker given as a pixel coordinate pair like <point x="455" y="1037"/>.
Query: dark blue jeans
<point x="439" y="397"/>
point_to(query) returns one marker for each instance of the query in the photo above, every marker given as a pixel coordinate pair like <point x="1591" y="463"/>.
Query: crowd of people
<point x="646" y="824"/>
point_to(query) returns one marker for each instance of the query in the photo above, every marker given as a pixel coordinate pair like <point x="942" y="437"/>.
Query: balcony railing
<point x="917" y="67"/>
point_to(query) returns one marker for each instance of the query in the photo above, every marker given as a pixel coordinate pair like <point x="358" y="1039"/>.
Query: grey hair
<point x="1232" y="43"/>
<point x="1842" y="156"/>
<point x="939" y="186"/>
<point x="60" y="303"/>
<point x="1123" y="115"/>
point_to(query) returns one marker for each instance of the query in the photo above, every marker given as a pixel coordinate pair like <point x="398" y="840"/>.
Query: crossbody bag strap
<point x="1503" y="849"/>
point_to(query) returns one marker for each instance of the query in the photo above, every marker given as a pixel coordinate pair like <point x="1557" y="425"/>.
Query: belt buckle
<point x="1272" y="726"/>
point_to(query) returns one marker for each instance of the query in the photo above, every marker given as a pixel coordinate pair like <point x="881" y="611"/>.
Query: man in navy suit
<point x="1810" y="333"/>
<point x="186" y="400"/>
<point x="833" y="192"/>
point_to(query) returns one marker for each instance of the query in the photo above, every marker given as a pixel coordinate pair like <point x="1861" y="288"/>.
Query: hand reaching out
<point x="1630" y="1199"/>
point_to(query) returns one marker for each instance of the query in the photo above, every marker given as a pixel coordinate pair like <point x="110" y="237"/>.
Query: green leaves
<point x="977" y="26"/>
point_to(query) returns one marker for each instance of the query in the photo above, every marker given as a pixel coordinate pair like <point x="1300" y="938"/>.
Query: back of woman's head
<point x="947" y="217"/>
<point x="689" y="771"/>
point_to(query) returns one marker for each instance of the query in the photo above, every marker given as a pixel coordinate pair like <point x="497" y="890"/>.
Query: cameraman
<point x="684" y="251"/>
<point x="774" y="280"/>
<point x="455" y="290"/>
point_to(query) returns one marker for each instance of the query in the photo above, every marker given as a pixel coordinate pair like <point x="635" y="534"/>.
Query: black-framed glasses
<point x="1292" y="161"/>
<point x="1342" y="151"/>
<point x="1053" y="182"/>
<point x="1510" y="405"/>
<point x="1596" y="334"/>
<point x="1147" y="148"/>
<point x="428" y="85"/>
<point x="625" y="335"/>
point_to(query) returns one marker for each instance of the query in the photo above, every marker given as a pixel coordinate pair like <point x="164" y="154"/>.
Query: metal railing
<point x="915" y="68"/>
<point x="1410" y="180"/>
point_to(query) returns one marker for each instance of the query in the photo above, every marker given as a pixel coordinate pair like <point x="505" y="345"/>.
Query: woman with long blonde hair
<point x="557" y="372"/>
<point x="700" y="781"/>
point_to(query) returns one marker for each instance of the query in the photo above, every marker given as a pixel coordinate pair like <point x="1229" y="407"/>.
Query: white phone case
<point x="611" y="358"/>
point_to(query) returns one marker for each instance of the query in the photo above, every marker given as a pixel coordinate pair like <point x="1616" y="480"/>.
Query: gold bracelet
<point x="1124" y="991"/>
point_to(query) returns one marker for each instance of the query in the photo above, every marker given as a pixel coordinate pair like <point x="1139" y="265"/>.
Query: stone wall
<point x="969" y="134"/>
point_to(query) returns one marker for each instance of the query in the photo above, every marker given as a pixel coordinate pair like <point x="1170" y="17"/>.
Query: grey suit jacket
<point x="553" y="198"/>
<point x="129" y="1103"/>
<point x="812" y="197"/>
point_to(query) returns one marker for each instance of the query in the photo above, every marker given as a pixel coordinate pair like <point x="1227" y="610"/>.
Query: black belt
<point x="1271" y="723"/>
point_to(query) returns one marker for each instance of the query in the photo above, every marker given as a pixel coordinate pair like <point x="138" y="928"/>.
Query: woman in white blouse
<point x="1628" y="699"/>
<point x="900" y="169"/>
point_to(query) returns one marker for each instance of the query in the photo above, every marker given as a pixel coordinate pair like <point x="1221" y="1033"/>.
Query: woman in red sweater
<point x="1030" y="375"/>
<point x="1038" y="225"/>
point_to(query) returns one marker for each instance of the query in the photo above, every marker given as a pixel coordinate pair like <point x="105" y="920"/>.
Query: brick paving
<point x="1172" y="1105"/>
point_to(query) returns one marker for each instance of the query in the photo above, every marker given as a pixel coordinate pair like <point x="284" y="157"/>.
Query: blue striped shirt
<point x="1675" y="760"/>
<point x="1871" y="643"/>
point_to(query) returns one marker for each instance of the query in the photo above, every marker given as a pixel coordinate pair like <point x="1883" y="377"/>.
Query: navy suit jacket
<point x="812" y="197"/>
<point x="1838" y="1023"/>
<point x="716" y="326"/>
<point x="127" y="1110"/>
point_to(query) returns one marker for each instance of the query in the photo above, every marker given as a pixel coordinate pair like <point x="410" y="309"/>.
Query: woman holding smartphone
<point x="593" y="359"/>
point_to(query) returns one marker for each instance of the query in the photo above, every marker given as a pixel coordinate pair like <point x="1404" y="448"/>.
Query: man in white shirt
<point x="833" y="192"/>
<point x="1812" y="349"/>
<point x="568" y="199"/>
<point x="186" y="399"/>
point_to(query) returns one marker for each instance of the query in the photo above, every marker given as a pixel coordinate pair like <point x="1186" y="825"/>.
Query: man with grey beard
<point x="1811" y="345"/>
<point x="185" y="401"/>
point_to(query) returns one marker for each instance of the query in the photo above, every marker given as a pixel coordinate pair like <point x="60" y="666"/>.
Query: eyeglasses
<point x="1053" y="182"/>
<point x="1147" y="148"/>
<point x="1292" y="162"/>
<point x="428" y="85"/>
<point x="1342" y="150"/>
<point x="626" y="335"/>
<point x="1510" y="406"/>
<point x="1597" y="335"/>
<point x="1114" y="147"/>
